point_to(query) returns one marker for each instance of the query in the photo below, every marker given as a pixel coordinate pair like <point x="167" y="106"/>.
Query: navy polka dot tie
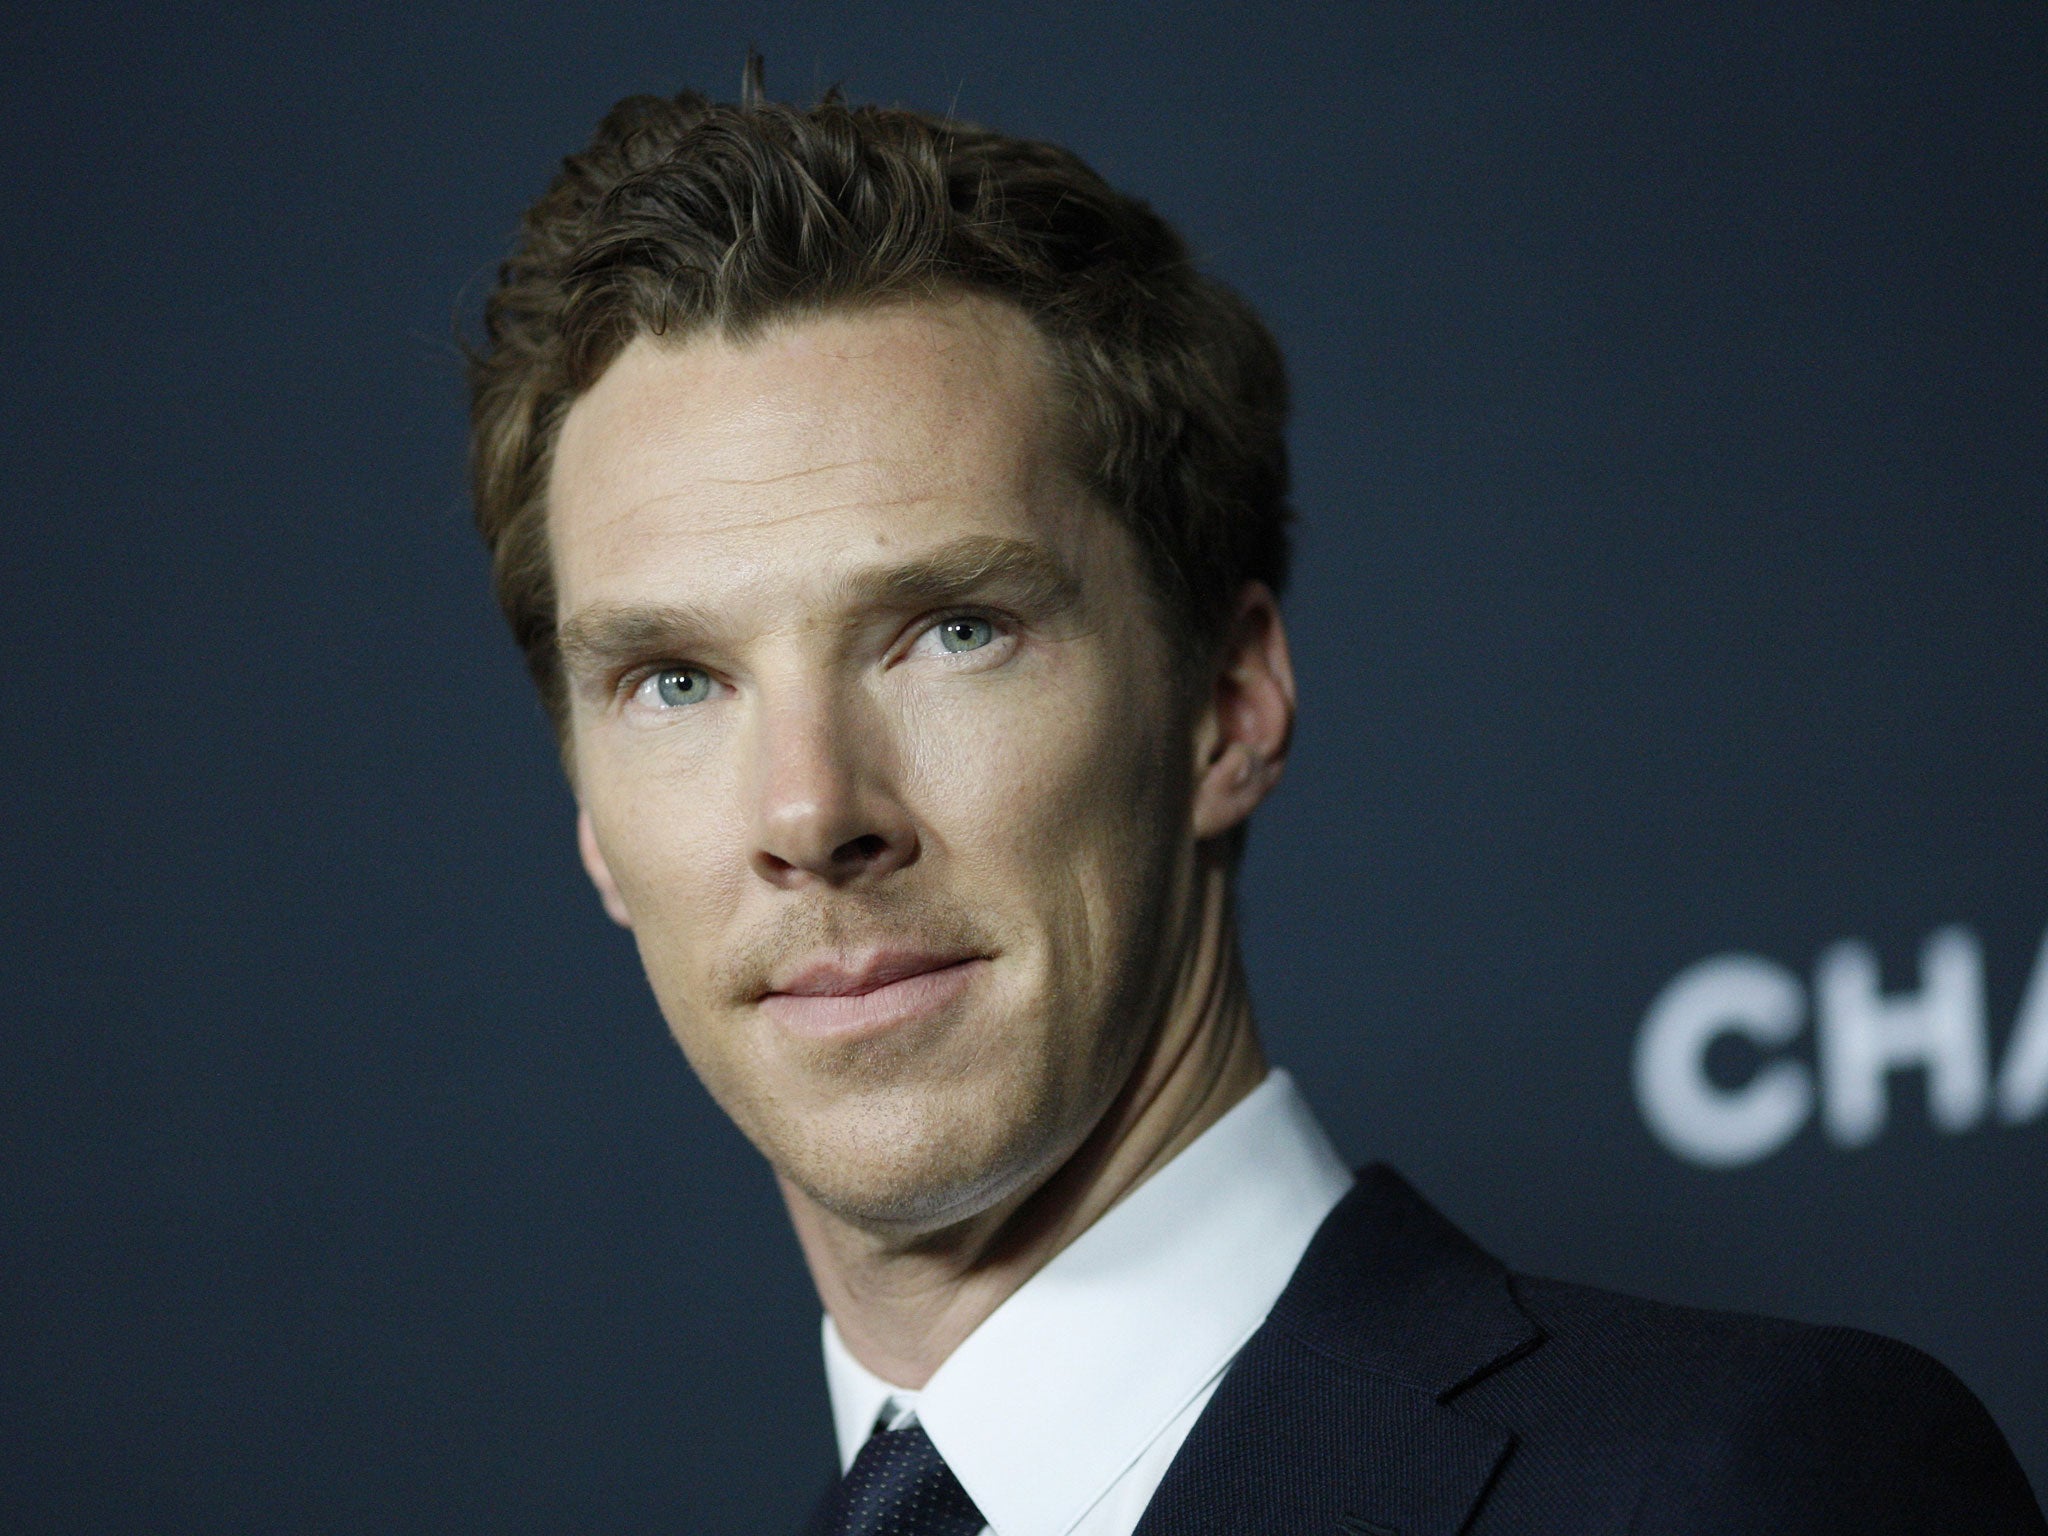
<point x="899" y="1485"/>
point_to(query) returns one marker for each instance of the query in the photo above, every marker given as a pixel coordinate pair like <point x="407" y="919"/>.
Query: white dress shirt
<point x="1060" y="1413"/>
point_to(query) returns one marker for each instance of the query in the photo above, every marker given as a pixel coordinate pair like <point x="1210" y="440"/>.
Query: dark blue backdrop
<point x="1672" y="584"/>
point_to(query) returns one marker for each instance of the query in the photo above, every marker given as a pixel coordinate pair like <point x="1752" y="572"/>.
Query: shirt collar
<point x="1065" y="1384"/>
<point x="859" y="1398"/>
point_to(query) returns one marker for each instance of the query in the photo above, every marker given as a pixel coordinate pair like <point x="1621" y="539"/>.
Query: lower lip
<point x="888" y="1006"/>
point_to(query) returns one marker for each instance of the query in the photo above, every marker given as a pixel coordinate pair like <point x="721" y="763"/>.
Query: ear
<point x="600" y="872"/>
<point x="1247" y="719"/>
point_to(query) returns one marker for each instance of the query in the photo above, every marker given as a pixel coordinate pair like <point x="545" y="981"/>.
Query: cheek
<point x="675" y="851"/>
<point x="1058" y="791"/>
<point x="668" y="821"/>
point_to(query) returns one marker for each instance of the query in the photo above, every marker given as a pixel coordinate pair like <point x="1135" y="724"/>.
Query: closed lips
<point x="837" y="1000"/>
<point x="833" y="980"/>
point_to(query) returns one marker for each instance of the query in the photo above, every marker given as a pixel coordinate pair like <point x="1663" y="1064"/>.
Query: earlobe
<point x="1242" y="740"/>
<point x="600" y="872"/>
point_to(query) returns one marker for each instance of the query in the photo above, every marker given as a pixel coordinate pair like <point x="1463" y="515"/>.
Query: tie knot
<point x="899" y="1485"/>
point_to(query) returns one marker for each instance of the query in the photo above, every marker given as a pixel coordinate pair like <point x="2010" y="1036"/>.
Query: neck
<point x="902" y="1308"/>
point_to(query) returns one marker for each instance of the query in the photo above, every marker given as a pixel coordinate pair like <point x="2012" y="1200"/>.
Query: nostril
<point x="861" y="850"/>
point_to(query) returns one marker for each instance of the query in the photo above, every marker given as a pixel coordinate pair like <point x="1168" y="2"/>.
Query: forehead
<point x="849" y="438"/>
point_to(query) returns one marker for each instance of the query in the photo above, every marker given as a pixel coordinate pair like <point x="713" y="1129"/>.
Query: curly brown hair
<point x="688" y="215"/>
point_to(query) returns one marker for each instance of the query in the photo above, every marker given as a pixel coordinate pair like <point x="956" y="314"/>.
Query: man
<point x="893" y="521"/>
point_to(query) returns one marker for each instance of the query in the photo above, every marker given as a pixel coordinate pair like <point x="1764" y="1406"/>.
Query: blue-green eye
<point x="966" y="634"/>
<point x="682" y="685"/>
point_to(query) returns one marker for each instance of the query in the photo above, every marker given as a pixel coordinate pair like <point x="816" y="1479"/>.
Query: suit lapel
<point x="1336" y="1417"/>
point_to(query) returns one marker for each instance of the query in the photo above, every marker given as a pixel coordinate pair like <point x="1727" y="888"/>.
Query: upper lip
<point x="837" y="978"/>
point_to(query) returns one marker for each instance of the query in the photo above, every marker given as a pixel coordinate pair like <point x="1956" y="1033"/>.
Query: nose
<point x="826" y="807"/>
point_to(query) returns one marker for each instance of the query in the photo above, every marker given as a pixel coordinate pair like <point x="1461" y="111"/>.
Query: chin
<point x="919" y="1167"/>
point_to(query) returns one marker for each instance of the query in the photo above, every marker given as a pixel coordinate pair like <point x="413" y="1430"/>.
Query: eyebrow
<point x="977" y="565"/>
<point x="1015" y="572"/>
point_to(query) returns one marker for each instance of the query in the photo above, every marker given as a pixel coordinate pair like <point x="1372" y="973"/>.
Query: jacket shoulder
<point x="1718" y="1421"/>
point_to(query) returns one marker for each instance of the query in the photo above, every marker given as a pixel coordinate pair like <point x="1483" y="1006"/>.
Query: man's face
<point x="877" y="743"/>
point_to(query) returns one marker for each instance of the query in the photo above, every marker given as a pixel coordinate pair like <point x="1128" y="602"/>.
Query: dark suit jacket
<point x="1406" y="1384"/>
